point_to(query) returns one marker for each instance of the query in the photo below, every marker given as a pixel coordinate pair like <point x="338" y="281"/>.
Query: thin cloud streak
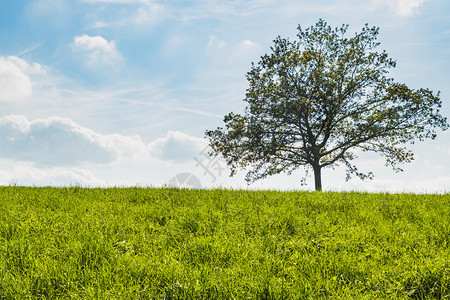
<point x="199" y="112"/>
<point x="29" y="50"/>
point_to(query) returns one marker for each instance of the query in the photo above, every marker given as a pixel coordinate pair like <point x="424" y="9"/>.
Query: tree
<point x="318" y="100"/>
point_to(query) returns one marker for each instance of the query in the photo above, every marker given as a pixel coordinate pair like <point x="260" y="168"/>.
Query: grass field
<point x="142" y="243"/>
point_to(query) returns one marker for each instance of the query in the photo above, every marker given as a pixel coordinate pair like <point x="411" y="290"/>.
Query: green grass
<point x="142" y="243"/>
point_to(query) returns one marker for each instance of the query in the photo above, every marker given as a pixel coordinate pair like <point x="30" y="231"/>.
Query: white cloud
<point x="98" y="51"/>
<point x="248" y="45"/>
<point x="214" y="42"/>
<point x="402" y="7"/>
<point x="240" y="52"/>
<point x="245" y="52"/>
<point x="58" y="151"/>
<point x="408" y="7"/>
<point x="15" y="81"/>
<point x="177" y="147"/>
<point x="148" y="12"/>
<point x="59" y="141"/>
<point x="31" y="69"/>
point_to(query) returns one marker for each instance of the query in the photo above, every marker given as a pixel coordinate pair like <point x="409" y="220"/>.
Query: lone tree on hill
<point x="315" y="101"/>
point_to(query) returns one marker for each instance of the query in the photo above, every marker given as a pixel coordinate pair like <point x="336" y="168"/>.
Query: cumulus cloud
<point x="177" y="147"/>
<point x="97" y="50"/>
<point x="60" y="142"/>
<point x="15" y="81"/>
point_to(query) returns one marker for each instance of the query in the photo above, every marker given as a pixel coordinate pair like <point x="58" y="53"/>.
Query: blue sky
<point x="120" y="92"/>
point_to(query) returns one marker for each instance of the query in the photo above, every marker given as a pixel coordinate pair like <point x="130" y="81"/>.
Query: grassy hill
<point x="142" y="243"/>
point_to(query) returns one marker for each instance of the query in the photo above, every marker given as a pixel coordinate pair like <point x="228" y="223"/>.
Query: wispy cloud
<point x="223" y="9"/>
<point x="215" y="42"/>
<point x="132" y="12"/>
<point x="199" y="112"/>
<point x="402" y="7"/>
<point x="443" y="35"/>
<point x="408" y="7"/>
<point x="56" y="11"/>
<point x="244" y="52"/>
<point x="30" y="49"/>
<point x="116" y="1"/>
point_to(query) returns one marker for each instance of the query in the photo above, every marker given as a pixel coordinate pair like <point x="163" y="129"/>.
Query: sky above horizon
<point x="121" y="92"/>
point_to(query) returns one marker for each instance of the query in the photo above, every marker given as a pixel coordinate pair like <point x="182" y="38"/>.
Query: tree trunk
<point x="318" y="177"/>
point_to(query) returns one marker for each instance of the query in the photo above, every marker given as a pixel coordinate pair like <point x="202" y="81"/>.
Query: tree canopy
<point x="318" y="100"/>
